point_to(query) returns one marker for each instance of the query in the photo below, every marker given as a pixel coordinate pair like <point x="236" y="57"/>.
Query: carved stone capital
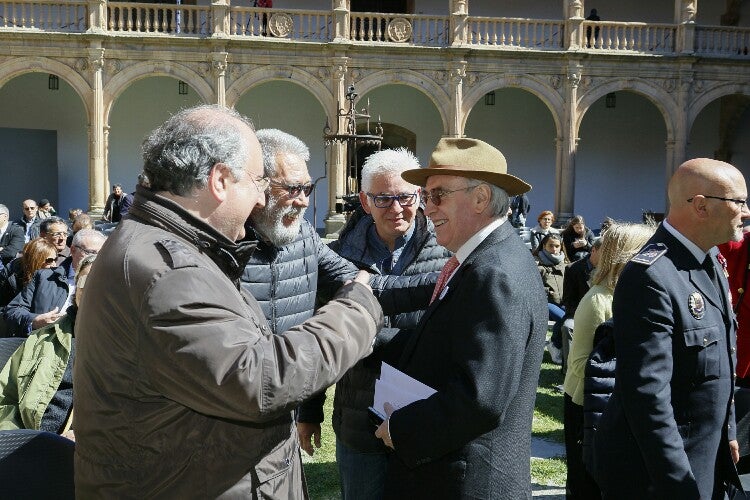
<point x="574" y="78"/>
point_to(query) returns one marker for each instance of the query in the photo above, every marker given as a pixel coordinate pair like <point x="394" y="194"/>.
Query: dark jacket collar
<point x="163" y="213"/>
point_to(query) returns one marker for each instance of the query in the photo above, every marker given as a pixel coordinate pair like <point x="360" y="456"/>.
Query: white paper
<point x="398" y="389"/>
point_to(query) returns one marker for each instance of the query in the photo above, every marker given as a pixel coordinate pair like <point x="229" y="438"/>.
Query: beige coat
<point x="181" y="390"/>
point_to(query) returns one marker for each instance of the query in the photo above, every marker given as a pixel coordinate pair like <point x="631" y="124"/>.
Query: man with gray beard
<point x="290" y="261"/>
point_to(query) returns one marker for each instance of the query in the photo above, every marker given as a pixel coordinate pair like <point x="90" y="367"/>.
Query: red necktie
<point x="448" y="269"/>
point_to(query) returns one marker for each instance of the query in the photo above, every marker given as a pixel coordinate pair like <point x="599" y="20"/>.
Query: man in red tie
<point x="479" y="344"/>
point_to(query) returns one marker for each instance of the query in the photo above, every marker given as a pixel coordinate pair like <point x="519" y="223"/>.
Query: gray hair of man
<point x="274" y="142"/>
<point x="387" y="163"/>
<point x="179" y="154"/>
<point x="4" y="210"/>
<point x="90" y="235"/>
<point x="499" y="199"/>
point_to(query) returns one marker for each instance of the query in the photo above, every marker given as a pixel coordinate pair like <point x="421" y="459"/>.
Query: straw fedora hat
<point x="468" y="158"/>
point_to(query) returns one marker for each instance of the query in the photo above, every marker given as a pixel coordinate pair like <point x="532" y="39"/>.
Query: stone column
<point x="97" y="16"/>
<point x="685" y="11"/>
<point x="566" y="151"/>
<point x="336" y="154"/>
<point x="341" y="20"/>
<point x="676" y="146"/>
<point x="220" y="18"/>
<point x="573" y="12"/>
<point x="98" y="175"/>
<point x="459" y="22"/>
<point x="219" y="70"/>
<point x="457" y="72"/>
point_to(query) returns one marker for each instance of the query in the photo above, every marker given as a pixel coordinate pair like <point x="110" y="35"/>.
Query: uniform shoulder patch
<point x="180" y="254"/>
<point x="650" y="253"/>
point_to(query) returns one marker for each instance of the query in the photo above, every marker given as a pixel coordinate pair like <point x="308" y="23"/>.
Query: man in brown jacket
<point x="181" y="390"/>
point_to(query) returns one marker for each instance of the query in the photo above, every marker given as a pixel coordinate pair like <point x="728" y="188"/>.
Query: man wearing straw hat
<point x="479" y="344"/>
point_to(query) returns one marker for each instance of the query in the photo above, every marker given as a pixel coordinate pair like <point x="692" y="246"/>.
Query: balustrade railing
<point x="722" y="40"/>
<point x="44" y="15"/>
<point x="310" y="25"/>
<point x="431" y="31"/>
<point x="512" y="32"/>
<point x="629" y="37"/>
<point x="158" y="18"/>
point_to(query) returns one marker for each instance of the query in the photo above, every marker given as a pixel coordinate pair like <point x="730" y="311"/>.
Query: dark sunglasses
<point x="436" y="195"/>
<point x="50" y="260"/>
<point x="294" y="190"/>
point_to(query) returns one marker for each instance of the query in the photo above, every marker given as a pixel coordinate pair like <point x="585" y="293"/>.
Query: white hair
<point x="274" y="142"/>
<point x="387" y="163"/>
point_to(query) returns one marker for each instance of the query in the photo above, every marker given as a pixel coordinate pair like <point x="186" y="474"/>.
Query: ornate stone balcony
<point x="221" y="20"/>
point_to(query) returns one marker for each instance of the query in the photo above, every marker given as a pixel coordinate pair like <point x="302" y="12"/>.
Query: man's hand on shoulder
<point x="308" y="433"/>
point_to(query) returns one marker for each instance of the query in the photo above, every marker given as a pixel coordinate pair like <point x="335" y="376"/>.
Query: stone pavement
<point x="541" y="448"/>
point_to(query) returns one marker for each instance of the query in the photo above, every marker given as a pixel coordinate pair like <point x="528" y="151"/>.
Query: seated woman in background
<point x="551" y="262"/>
<point x="619" y="244"/>
<point x="36" y="255"/>
<point x="36" y="384"/>
<point x="542" y="229"/>
<point x="577" y="239"/>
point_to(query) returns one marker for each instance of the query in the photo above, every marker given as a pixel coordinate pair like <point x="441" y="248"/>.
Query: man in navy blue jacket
<point x="668" y="430"/>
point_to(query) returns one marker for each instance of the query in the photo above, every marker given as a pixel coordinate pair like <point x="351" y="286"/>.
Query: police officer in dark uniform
<point x="669" y="430"/>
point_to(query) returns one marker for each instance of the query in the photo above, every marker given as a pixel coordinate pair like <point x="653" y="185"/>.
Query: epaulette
<point x="181" y="254"/>
<point x="650" y="253"/>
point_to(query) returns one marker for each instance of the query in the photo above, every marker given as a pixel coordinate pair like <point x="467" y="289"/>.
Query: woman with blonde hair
<point x="620" y="243"/>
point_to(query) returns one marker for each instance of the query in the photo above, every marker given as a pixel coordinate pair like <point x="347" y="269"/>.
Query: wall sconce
<point x="611" y="100"/>
<point x="53" y="83"/>
<point x="489" y="98"/>
<point x="182" y="87"/>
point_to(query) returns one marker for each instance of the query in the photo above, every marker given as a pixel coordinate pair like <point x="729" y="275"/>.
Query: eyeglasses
<point x="436" y="195"/>
<point x="29" y="208"/>
<point x="261" y="183"/>
<point x="740" y="203"/>
<point x="50" y="260"/>
<point x="386" y="200"/>
<point x="294" y="190"/>
<point x="87" y="251"/>
<point x="58" y="234"/>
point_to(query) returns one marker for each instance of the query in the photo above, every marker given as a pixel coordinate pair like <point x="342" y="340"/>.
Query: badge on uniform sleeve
<point x="650" y="253"/>
<point x="696" y="305"/>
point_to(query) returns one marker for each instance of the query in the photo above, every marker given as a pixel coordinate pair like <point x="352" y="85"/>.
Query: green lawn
<point x="323" y="476"/>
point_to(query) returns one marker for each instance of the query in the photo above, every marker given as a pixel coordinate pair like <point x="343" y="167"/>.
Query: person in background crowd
<point x="183" y="348"/>
<point x="519" y="207"/>
<point x="54" y="230"/>
<point x="125" y="205"/>
<point x="37" y="254"/>
<point x="113" y="204"/>
<point x="575" y="286"/>
<point x="668" y="430"/>
<point x="46" y="210"/>
<point x="82" y="221"/>
<point x="29" y="220"/>
<point x="388" y="235"/>
<point x="479" y="344"/>
<point x="551" y="262"/>
<point x="619" y="244"/>
<point x="577" y="239"/>
<point x="11" y="237"/>
<point x="72" y="214"/>
<point x="44" y="299"/>
<point x="543" y="228"/>
<point x="36" y="384"/>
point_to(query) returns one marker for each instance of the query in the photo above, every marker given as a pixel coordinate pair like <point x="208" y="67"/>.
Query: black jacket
<point x="11" y="243"/>
<point x="598" y="384"/>
<point x="409" y="293"/>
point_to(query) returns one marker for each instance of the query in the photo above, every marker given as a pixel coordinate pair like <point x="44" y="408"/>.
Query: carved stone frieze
<point x="472" y="78"/>
<point x="281" y="24"/>
<point x="399" y="30"/>
<point x="513" y="80"/>
<point x="669" y="84"/>
<point x="586" y="82"/>
<point x="555" y="81"/>
<point x="113" y="66"/>
<point x="323" y="73"/>
<point x="699" y="86"/>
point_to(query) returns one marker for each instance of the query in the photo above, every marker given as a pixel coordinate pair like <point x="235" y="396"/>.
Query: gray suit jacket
<point x="480" y="347"/>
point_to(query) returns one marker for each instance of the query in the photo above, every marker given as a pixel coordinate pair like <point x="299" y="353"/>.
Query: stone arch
<point x="434" y="92"/>
<point x="663" y="100"/>
<point x="304" y="79"/>
<point x="546" y="93"/>
<point x="709" y="96"/>
<point x="24" y="65"/>
<point x="122" y="80"/>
